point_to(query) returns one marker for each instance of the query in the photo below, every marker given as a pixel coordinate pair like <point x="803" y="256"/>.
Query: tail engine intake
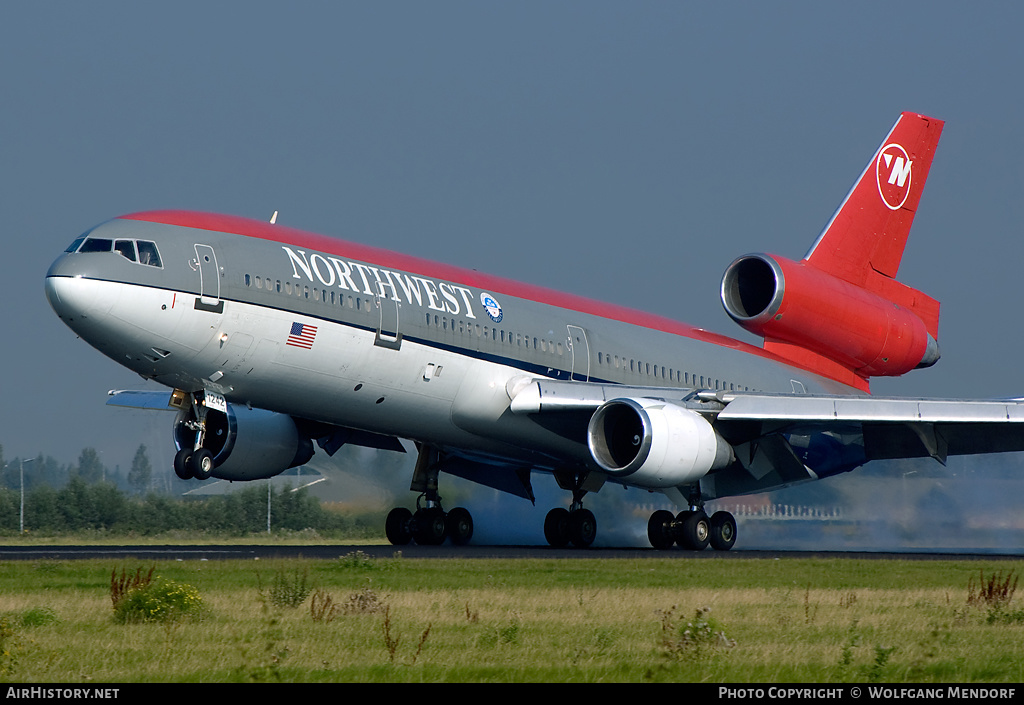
<point x="799" y="304"/>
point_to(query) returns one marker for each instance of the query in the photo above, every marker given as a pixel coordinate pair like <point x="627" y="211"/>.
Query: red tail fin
<point x="863" y="243"/>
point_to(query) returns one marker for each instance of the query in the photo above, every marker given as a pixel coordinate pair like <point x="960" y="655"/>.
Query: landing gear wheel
<point x="181" y="464"/>
<point x="397" y="526"/>
<point x="694" y="529"/>
<point x="430" y="526"/>
<point x="201" y="464"/>
<point x="582" y="528"/>
<point x="459" y="526"/>
<point x="659" y="530"/>
<point x="723" y="531"/>
<point x="556" y="527"/>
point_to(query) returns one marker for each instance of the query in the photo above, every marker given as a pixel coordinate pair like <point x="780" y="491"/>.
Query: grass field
<point x="358" y="619"/>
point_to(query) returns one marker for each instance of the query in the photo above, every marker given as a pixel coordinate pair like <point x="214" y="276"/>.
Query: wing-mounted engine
<point x="798" y="304"/>
<point x="655" y="444"/>
<point x="243" y="443"/>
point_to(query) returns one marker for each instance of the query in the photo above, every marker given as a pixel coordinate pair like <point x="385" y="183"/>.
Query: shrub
<point x="160" y="600"/>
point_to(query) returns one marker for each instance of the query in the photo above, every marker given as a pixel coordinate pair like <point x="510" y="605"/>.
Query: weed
<point x="289" y="590"/>
<point x="852" y="641"/>
<point x="322" y="607"/>
<point x="698" y="638"/>
<point x="38" y="617"/>
<point x="995" y="595"/>
<point x="121" y="586"/>
<point x="509" y="634"/>
<point x="877" y="668"/>
<point x="810" y="611"/>
<point x="9" y="647"/>
<point x="997" y="591"/>
<point x="360" y="560"/>
<point x="391" y="642"/>
<point x="363" y="602"/>
<point x="355" y="560"/>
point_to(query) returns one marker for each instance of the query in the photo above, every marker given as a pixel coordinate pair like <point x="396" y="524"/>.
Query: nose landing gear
<point x="199" y="429"/>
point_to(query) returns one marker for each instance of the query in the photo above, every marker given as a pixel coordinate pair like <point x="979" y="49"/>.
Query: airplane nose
<point x="75" y="299"/>
<point x="53" y="295"/>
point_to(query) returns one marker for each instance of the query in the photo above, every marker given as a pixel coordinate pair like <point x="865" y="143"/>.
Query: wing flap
<point x="137" y="399"/>
<point x="869" y="409"/>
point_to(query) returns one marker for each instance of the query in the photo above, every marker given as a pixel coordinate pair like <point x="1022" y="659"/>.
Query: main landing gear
<point x="692" y="529"/>
<point x="575" y="525"/>
<point x="429" y="525"/>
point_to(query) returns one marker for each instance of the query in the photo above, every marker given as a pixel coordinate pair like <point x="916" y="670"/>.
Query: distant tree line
<point x="46" y="471"/>
<point x="87" y="497"/>
<point x="102" y="507"/>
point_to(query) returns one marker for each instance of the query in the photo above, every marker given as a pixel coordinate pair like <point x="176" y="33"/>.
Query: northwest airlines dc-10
<point x="275" y="342"/>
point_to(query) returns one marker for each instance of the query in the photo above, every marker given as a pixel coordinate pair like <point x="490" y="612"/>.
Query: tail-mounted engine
<point x="655" y="444"/>
<point x="796" y="303"/>
<point x="245" y="444"/>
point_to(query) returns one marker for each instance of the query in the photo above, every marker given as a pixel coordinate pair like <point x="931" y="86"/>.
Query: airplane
<point x="273" y="342"/>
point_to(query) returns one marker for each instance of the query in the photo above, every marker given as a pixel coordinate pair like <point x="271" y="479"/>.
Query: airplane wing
<point x="781" y="439"/>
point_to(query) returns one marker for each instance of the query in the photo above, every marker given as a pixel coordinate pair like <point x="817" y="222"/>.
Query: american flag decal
<point x="302" y="335"/>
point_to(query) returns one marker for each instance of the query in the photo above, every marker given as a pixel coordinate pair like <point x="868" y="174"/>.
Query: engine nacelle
<point x="796" y="303"/>
<point x="247" y="444"/>
<point x="655" y="444"/>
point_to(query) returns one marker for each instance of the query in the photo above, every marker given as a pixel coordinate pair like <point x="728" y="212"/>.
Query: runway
<point x="334" y="551"/>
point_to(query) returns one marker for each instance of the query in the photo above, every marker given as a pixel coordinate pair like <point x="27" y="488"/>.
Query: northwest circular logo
<point x="492" y="307"/>
<point x="893" y="169"/>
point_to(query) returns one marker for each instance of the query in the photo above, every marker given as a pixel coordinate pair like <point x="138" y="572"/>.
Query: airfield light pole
<point x="21" y="510"/>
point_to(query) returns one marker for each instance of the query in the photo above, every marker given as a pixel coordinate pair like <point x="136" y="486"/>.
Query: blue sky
<point x="625" y="151"/>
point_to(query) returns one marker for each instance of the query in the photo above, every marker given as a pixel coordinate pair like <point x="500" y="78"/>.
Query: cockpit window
<point x="126" y="248"/>
<point x="148" y="253"/>
<point x="97" y="244"/>
<point x="141" y="251"/>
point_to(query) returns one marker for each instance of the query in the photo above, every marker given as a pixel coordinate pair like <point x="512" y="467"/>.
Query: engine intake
<point x="796" y="303"/>
<point x="655" y="444"/>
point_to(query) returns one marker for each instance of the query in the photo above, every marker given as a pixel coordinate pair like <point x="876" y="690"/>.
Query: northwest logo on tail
<point x="893" y="169"/>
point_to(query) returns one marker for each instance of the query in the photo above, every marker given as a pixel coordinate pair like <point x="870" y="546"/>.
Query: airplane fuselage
<point x="359" y="337"/>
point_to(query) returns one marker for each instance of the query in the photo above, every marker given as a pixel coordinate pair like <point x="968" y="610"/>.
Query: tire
<point x="181" y="464"/>
<point x="396" y="526"/>
<point x="201" y="464"/>
<point x="556" y="527"/>
<point x="429" y="527"/>
<point x="723" y="531"/>
<point x="582" y="528"/>
<point x="459" y="526"/>
<point x="659" y="530"/>
<point x="694" y="530"/>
